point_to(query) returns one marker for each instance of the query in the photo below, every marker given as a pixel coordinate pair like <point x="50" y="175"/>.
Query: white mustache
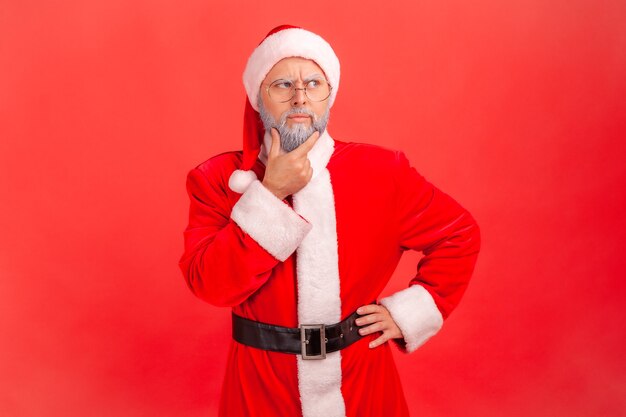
<point x="296" y="110"/>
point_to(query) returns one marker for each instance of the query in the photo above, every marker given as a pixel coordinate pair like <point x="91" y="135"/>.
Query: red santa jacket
<point x="315" y="258"/>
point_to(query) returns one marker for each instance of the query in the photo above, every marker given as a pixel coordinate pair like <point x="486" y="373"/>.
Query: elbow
<point x="463" y="237"/>
<point x="474" y="236"/>
<point x="467" y="234"/>
<point x="210" y="292"/>
<point x="210" y="288"/>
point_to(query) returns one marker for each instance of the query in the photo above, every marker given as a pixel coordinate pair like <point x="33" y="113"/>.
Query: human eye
<point x="313" y="84"/>
<point x="282" y="84"/>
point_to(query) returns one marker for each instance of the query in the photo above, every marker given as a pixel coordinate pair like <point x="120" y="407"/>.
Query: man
<point x="300" y="233"/>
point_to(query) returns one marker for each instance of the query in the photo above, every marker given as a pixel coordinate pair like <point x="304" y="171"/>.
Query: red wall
<point x="516" y="108"/>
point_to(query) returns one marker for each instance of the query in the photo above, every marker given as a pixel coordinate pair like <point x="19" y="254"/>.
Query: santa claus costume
<point x="318" y="255"/>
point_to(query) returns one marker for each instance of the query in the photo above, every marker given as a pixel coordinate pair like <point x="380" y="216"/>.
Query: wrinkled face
<point x="300" y="116"/>
<point x="298" y="71"/>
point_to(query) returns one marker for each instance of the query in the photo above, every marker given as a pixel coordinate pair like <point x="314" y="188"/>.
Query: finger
<point x="369" y="308"/>
<point x="275" y="147"/>
<point x="370" y="318"/>
<point x="381" y="340"/>
<point x="307" y="145"/>
<point x="372" y="328"/>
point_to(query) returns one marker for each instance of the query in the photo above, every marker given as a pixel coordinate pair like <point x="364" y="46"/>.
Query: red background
<point x="515" y="108"/>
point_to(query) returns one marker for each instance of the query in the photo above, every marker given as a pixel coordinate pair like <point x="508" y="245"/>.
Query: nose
<point x="299" y="97"/>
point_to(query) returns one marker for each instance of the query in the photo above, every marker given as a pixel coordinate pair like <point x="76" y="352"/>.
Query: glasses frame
<point x="295" y="89"/>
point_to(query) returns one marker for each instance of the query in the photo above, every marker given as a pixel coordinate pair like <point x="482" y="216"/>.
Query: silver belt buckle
<point x="304" y="342"/>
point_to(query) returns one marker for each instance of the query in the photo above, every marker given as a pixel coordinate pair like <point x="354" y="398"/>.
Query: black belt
<point x="305" y="340"/>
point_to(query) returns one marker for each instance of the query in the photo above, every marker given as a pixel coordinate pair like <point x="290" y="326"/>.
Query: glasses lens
<point x="281" y="90"/>
<point x="317" y="90"/>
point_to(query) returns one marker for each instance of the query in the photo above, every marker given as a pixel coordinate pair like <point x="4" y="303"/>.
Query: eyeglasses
<point x="282" y="91"/>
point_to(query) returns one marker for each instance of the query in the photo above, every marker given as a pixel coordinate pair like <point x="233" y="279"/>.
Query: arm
<point x="431" y="222"/>
<point x="230" y="252"/>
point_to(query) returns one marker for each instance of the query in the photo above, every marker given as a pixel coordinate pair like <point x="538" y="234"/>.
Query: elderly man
<point x="300" y="233"/>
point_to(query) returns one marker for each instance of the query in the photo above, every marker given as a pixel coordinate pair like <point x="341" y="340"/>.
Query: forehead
<point x="293" y="67"/>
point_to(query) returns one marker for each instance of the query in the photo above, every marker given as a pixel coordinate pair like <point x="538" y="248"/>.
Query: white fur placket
<point x="318" y="285"/>
<point x="318" y="282"/>
<point x="319" y="381"/>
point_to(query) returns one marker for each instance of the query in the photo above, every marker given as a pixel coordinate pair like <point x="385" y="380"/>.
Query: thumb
<point x="308" y="144"/>
<point x="275" y="147"/>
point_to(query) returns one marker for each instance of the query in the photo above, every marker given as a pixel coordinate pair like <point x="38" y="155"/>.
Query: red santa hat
<point x="281" y="42"/>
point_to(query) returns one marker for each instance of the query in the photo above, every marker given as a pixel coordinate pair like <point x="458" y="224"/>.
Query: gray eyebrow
<point x="315" y="76"/>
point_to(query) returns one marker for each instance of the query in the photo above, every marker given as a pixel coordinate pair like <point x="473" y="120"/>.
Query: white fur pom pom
<point x="239" y="180"/>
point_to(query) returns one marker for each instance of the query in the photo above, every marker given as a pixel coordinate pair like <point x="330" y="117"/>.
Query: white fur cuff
<point x="416" y="314"/>
<point x="269" y="221"/>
